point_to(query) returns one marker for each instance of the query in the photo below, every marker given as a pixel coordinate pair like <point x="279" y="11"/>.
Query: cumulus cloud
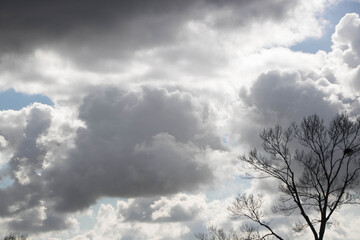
<point x="292" y="92"/>
<point x="115" y="221"/>
<point x="150" y="143"/>
<point x="23" y="198"/>
<point x="281" y="97"/>
<point x="178" y="217"/>
<point x="178" y="208"/>
<point x="134" y="144"/>
<point x="109" y="226"/>
<point x="33" y="135"/>
<point x="346" y="39"/>
<point x="346" y="50"/>
<point x="288" y="95"/>
<point x="23" y="166"/>
<point x="146" y="142"/>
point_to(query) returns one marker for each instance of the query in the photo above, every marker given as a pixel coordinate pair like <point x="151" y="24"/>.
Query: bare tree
<point x="317" y="166"/>
<point x="247" y="233"/>
<point x="16" y="236"/>
<point x="250" y="207"/>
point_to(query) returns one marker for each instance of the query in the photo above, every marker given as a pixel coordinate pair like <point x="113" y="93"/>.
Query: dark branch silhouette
<point x="16" y="236"/>
<point x="317" y="167"/>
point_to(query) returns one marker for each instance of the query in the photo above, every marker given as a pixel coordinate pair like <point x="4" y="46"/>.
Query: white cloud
<point x="110" y="226"/>
<point x="175" y="217"/>
<point x="346" y="39"/>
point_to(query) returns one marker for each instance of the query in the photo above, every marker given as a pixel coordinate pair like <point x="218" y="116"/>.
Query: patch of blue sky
<point x="5" y="181"/>
<point x="333" y="15"/>
<point x="10" y="99"/>
<point x="232" y="188"/>
<point x="225" y="138"/>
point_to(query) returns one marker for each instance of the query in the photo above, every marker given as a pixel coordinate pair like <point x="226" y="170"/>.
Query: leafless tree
<point x="16" y="236"/>
<point x="247" y="233"/>
<point x="317" y="166"/>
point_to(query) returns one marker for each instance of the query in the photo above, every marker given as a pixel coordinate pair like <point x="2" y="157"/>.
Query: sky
<point x="124" y="119"/>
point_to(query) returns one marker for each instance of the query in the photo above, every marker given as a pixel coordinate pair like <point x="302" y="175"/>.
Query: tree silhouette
<point x="16" y="236"/>
<point x="247" y="232"/>
<point x="317" y="166"/>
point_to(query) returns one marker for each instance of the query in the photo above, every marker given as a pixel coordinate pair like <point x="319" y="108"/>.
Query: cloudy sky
<point x="124" y="119"/>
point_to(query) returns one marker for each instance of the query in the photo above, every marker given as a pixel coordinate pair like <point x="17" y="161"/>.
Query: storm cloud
<point x="25" y="197"/>
<point x="142" y="143"/>
<point x="153" y="101"/>
<point x="94" y="31"/>
<point x="134" y="144"/>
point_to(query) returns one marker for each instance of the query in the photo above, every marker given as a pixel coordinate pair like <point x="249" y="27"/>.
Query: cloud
<point x="127" y="43"/>
<point x="346" y="39"/>
<point x="32" y="135"/>
<point x="281" y="97"/>
<point x="85" y="18"/>
<point x="139" y="24"/>
<point x="178" y="217"/>
<point x="177" y="208"/>
<point x="288" y="95"/>
<point x="144" y="143"/>
<point x="346" y="50"/>
<point x="38" y="219"/>
<point x="25" y="163"/>
<point x="290" y="92"/>
<point x="108" y="226"/>
<point x="150" y="143"/>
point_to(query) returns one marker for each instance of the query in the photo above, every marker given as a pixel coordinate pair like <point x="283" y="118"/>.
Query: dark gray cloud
<point x="38" y="220"/>
<point x="135" y="144"/>
<point x="244" y="12"/>
<point x="42" y="22"/>
<point x="278" y="97"/>
<point x="288" y="95"/>
<point x="23" y="167"/>
<point x="29" y="156"/>
<point x="23" y="201"/>
<point x="142" y="143"/>
<point x="91" y="31"/>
